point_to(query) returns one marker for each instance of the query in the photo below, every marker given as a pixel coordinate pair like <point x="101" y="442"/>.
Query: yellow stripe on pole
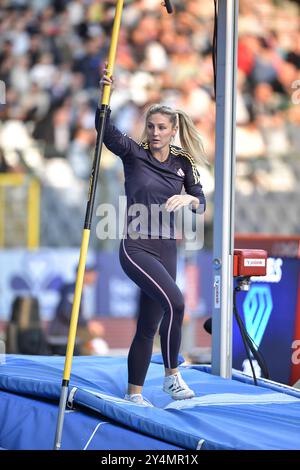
<point x="33" y="221"/>
<point x="11" y="179"/>
<point x="76" y="303"/>
<point x="113" y="50"/>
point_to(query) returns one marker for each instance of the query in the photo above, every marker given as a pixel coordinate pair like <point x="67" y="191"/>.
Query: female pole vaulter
<point x="155" y="172"/>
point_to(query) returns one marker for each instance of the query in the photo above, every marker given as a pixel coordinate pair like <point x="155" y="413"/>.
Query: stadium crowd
<point x="51" y="53"/>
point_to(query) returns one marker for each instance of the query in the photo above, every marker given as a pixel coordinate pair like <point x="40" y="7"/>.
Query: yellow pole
<point x="76" y="304"/>
<point x="113" y="50"/>
<point x="86" y="231"/>
<point x="86" y="234"/>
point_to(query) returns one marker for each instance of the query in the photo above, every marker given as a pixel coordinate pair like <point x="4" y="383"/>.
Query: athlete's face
<point x="160" y="131"/>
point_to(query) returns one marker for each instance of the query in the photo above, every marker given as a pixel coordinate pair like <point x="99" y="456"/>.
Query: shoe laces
<point x="178" y="383"/>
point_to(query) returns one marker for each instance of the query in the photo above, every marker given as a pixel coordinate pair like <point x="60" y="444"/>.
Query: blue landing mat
<point x="225" y="414"/>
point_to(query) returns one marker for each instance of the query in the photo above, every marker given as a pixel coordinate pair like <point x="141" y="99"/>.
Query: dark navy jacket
<point x="149" y="181"/>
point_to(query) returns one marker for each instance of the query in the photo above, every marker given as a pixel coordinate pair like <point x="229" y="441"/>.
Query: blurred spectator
<point x="24" y="333"/>
<point x="249" y="141"/>
<point x="293" y="128"/>
<point x="293" y="55"/>
<point x="4" y="166"/>
<point x="89" y="338"/>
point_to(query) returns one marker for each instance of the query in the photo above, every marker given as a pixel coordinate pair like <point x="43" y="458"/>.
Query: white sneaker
<point x="138" y="399"/>
<point x="175" y="386"/>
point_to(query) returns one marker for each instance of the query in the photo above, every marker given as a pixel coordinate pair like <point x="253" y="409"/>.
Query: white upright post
<point x="224" y="188"/>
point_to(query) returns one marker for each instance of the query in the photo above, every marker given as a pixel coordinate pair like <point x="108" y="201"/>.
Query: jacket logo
<point x="180" y="172"/>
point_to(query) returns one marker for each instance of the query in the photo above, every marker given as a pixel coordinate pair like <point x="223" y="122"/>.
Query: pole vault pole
<point x="87" y="228"/>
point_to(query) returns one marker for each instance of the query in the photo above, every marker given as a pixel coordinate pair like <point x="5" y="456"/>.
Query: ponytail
<point x="190" y="138"/>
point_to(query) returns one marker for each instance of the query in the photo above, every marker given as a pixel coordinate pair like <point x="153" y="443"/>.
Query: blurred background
<point x="51" y="53"/>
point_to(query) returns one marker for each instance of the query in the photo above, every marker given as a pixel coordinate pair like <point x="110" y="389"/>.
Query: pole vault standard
<point x="224" y="188"/>
<point x="88" y="220"/>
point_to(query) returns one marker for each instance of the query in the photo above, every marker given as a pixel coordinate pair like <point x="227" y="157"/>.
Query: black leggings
<point x="151" y="264"/>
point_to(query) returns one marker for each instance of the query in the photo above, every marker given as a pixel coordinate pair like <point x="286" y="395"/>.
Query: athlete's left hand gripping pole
<point x="87" y="227"/>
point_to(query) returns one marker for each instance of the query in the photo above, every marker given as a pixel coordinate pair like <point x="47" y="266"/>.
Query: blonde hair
<point x="189" y="135"/>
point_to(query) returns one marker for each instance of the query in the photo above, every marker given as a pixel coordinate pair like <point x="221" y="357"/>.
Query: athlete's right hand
<point x="105" y="78"/>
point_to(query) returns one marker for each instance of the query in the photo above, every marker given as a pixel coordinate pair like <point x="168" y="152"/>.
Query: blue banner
<point x="43" y="272"/>
<point x="268" y="310"/>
